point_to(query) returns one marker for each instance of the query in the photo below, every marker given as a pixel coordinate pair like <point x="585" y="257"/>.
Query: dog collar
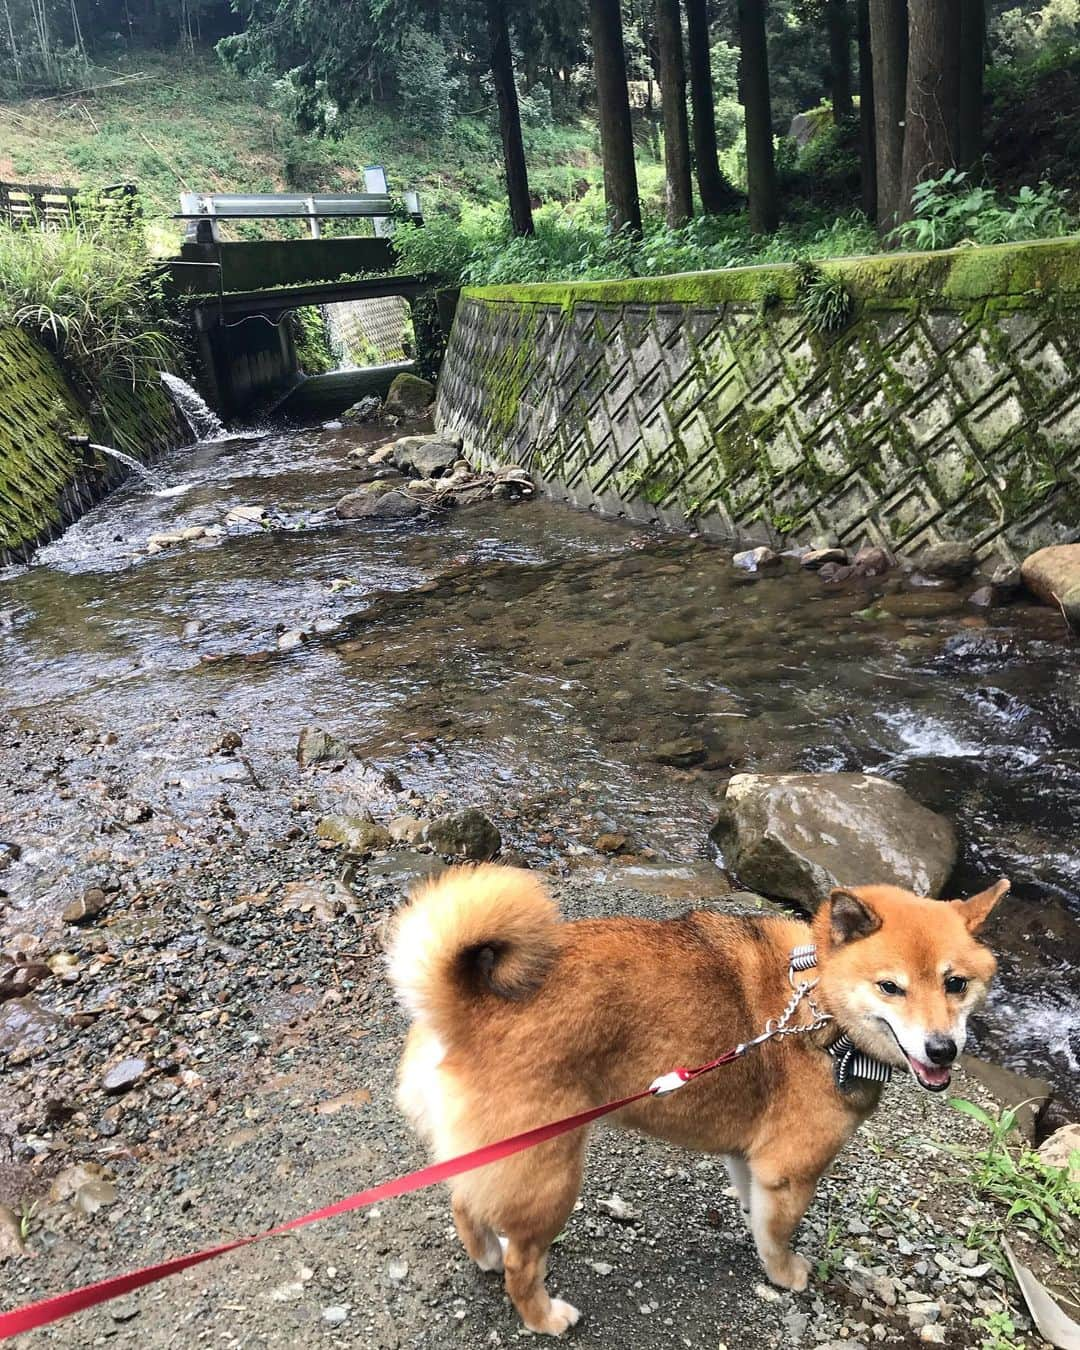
<point x="851" y="1066"/>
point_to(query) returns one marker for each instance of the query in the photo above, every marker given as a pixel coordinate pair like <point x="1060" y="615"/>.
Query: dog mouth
<point x="932" y="1077"/>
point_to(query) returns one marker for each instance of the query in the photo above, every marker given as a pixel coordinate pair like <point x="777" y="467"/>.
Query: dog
<point x="520" y="1018"/>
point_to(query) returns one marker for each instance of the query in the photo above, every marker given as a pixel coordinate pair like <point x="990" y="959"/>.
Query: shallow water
<point x="534" y="658"/>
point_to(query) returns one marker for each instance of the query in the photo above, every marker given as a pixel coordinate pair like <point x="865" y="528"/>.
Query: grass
<point x="1040" y="1201"/>
<point x="91" y="295"/>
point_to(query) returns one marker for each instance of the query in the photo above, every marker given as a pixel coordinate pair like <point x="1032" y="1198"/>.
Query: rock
<point x="409" y="396"/>
<point x="681" y="753"/>
<point x="336" y="1314"/>
<point x="1028" y="1096"/>
<point x="797" y="835"/>
<point x="1062" y="1149"/>
<point x="818" y="557"/>
<point x="465" y="834"/>
<point x="123" y="1076"/>
<point x="9" y="853"/>
<point x="316" y="746"/>
<point x="951" y="559"/>
<point x="363" y="410"/>
<point x="368" y="505"/>
<point x="610" y="843"/>
<point x="983" y="598"/>
<point x="1070" y="607"/>
<point x="356" y="834"/>
<point x="89" y="905"/>
<point x="756" y="559"/>
<point x="246" y="515"/>
<point x="291" y="639"/>
<point x="406" y="829"/>
<point x="1053" y="572"/>
<point x="430" y="459"/>
<point x="871" y="561"/>
<point x="11" y="1238"/>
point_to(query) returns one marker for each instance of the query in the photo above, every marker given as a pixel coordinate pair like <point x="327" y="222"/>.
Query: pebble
<point x="336" y="1314"/>
<point x="756" y="559"/>
<point x="123" y="1076"/>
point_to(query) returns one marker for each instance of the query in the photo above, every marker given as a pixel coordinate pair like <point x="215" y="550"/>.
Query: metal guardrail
<point x="38" y="204"/>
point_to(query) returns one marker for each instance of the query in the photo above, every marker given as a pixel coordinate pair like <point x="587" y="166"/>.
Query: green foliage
<point x="312" y="341"/>
<point x="91" y="294"/>
<point x="1044" y="1201"/>
<point x="999" y="1332"/>
<point x="953" y="210"/>
<point x="1027" y="34"/>
<point x="823" y="300"/>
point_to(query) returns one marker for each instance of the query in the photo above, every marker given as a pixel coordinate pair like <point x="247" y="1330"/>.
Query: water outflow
<point x="204" y="422"/>
<point x="140" y="470"/>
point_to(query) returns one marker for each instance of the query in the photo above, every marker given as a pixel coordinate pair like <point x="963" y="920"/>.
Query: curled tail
<point x="472" y="934"/>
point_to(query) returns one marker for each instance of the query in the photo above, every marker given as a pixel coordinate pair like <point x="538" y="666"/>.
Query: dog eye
<point x="891" y="988"/>
<point x="955" y="984"/>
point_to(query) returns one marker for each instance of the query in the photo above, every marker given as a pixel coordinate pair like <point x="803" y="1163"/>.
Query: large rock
<point x="434" y="459"/>
<point x="465" y="834"/>
<point x="797" y="835"/>
<point x="367" y="505"/>
<point x="951" y="560"/>
<point x="409" y="396"/>
<point x="1053" y="572"/>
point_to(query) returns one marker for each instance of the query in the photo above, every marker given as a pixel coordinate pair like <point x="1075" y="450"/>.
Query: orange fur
<point x="520" y="1018"/>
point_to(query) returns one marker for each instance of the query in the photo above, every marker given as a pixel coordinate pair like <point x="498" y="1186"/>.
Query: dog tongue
<point x="929" y="1073"/>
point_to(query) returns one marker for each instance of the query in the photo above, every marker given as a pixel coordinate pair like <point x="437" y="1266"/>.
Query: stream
<point x="531" y="660"/>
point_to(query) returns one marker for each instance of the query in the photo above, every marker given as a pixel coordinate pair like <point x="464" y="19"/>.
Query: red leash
<point x="48" y="1310"/>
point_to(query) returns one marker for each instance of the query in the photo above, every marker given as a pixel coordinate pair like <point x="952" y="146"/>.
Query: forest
<point x="617" y="136"/>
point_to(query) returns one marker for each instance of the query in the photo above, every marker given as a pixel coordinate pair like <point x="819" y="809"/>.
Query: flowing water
<point x="203" y="422"/>
<point x="532" y="659"/>
<point x="139" y="470"/>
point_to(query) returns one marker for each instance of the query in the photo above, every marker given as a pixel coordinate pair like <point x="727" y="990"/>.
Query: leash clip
<point x="669" y="1082"/>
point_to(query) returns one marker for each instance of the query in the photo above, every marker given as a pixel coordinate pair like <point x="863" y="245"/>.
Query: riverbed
<point x="529" y="659"/>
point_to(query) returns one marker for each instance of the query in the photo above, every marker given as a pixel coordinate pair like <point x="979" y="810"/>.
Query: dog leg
<point x="739" y="1173"/>
<point x="526" y="1266"/>
<point x="480" y="1241"/>
<point x="778" y="1200"/>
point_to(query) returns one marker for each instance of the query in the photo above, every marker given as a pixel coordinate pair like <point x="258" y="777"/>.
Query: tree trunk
<point x="502" y="70"/>
<point x="932" y="121"/>
<point x="669" y="42"/>
<point x="837" y="21"/>
<point x="889" y="49"/>
<point x="613" y="107"/>
<point x="754" y="83"/>
<point x="969" y="145"/>
<point x="867" y="146"/>
<point x="716" y="195"/>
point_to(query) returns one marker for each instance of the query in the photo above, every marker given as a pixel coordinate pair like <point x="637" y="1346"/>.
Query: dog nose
<point x="940" y="1049"/>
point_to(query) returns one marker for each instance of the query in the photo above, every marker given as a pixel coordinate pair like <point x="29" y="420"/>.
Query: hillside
<point x="180" y="122"/>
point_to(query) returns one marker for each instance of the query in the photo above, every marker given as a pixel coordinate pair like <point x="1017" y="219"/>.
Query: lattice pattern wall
<point x="927" y="419"/>
<point x="369" y="332"/>
<point x="45" y="481"/>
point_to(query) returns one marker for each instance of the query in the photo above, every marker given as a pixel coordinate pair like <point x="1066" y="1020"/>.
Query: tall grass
<point x="91" y="294"/>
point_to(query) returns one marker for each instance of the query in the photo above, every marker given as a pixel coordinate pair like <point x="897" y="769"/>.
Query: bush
<point x="952" y="210"/>
<point x="313" y="350"/>
<point x="92" y="295"/>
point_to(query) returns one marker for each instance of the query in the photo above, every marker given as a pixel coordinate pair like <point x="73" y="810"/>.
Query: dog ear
<point x="976" y="910"/>
<point x="850" y="918"/>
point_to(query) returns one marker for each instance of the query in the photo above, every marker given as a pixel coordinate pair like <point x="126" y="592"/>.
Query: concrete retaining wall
<point x="45" y="481"/>
<point x="947" y="407"/>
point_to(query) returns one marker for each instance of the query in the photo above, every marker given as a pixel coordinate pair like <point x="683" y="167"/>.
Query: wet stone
<point x="123" y="1076"/>
<point x="89" y="905"/>
<point x="465" y="834"/>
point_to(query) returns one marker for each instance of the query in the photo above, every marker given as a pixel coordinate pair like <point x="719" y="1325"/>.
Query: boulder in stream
<point x="465" y="834"/>
<point x="409" y="396"/>
<point x="315" y="746"/>
<point x="797" y="835"/>
<point x="951" y="560"/>
<point x="376" y="502"/>
<point x="1053" y="574"/>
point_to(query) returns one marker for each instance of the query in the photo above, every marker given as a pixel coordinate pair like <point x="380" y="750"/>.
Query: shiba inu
<point x="520" y="1018"/>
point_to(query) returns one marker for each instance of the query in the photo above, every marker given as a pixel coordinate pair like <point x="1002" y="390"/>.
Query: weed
<point x="1044" y="1201"/>
<point x="832" y="1256"/>
<point x="953" y="209"/>
<point x="1000" y="1332"/>
<point x="823" y="300"/>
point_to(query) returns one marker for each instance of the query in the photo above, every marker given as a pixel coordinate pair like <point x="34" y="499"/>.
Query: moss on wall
<point x="45" y="480"/>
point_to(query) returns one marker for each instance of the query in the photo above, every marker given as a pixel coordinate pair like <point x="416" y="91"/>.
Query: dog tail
<point x="472" y="934"/>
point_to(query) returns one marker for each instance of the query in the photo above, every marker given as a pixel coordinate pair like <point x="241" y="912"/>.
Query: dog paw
<point x="793" y="1272"/>
<point x="492" y="1258"/>
<point x="561" y="1317"/>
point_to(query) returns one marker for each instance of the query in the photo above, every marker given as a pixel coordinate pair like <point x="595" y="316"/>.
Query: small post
<point x="313" y="221"/>
<point x="375" y="181"/>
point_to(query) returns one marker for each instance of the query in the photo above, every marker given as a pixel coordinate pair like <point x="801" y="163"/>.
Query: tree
<point x="669" y="44"/>
<point x="837" y="22"/>
<point x="969" y="145"/>
<point x="613" y="109"/>
<point x="867" y="145"/>
<point x="754" y="81"/>
<point x="502" y="70"/>
<point x="932" y="119"/>
<point x="716" y="195"/>
<point x="889" y="49"/>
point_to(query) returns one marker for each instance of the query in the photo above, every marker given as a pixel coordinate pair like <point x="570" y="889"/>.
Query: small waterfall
<point x="204" y="422"/>
<point x="133" y="464"/>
